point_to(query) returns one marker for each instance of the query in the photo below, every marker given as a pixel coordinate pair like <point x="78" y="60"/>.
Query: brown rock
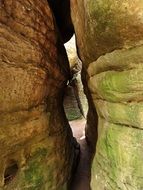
<point x="36" y="146"/>
<point x="109" y="40"/>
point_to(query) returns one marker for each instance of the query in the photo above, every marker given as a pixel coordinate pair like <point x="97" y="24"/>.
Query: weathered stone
<point x="109" y="39"/>
<point x="71" y="105"/>
<point x="71" y="52"/>
<point x="36" y="143"/>
<point x="75" y="101"/>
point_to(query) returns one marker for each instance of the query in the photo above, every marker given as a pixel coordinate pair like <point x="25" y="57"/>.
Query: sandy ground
<point x="81" y="180"/>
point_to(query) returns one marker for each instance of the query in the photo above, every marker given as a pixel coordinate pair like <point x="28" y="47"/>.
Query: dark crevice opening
<point x="10" y="171"/>
<point x="61" y="11"/>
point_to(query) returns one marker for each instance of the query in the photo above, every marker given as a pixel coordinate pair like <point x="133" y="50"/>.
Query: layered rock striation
<point x="109" y="38"/>
<point x="36" y="143"/>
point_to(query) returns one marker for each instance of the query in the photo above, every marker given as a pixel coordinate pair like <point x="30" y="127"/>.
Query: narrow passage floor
<point x="81" y="179"/>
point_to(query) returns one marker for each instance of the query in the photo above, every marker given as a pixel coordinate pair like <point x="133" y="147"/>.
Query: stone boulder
<point x="110" y="45"/>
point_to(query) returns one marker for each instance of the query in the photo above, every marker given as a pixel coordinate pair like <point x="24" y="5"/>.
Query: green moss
<point x="73" y="114"/>
<point x="34" y="175"/>
<point x="41" y="152"/>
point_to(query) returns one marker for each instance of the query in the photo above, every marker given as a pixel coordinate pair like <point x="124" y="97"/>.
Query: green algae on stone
<point x="115" y="159"/>
<point x="110" y="45"/>
<point x="130" y="114"/>
<point x="72" y="114"/>
<point x="33" y="174"/>
<point x="116" y="86"/>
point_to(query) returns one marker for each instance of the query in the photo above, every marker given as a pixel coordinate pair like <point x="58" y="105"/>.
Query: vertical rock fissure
<point x="76" y="107"/>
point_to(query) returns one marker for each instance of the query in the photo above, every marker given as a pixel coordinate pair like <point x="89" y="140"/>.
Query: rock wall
<point x="109" y="39"/>
<point x="71" y="105"/>
<point x="75" y="101"/>
<point x="36" y="143"/>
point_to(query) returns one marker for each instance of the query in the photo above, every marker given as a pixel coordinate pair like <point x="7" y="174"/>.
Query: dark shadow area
<point x="10" y="171"/>
<point x="74" y="105"/>
<point x="61" y="11"/>
<point x="76" y="108"/>
<point x="82" y="175"/>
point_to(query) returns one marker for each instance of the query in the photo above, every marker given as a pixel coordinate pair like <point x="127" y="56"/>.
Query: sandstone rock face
<point x="71" y="105"/>
<point x="36" y="146"/>
<point x="71" y="52"/>
<point x="109" y="36"/>
<point x="75" y="101"/>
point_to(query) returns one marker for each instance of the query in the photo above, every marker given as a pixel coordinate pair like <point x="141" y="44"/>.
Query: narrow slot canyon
<point x="76" y="108"/>
<point x="71" y="100"/>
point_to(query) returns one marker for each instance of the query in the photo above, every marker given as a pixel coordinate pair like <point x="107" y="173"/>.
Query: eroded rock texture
<point x="109" y="36"/>
<point x="75" y="101"/>
<point x="36" y="147"/>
